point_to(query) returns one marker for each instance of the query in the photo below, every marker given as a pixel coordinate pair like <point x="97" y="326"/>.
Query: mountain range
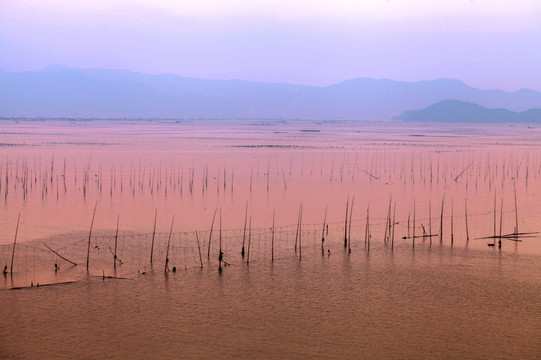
<point x="460" y="111"/>
<point x="63" y="91"/>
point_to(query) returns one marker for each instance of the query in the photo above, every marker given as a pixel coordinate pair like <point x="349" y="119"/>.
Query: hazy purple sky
<point x="486" y="43"/>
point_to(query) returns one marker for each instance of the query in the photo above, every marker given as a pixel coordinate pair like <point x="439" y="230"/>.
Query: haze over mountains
<point x="62" y="91"/>
<point x="460" y="111"/>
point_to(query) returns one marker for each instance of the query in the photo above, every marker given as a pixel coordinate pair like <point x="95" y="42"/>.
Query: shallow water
<point x="436" y="303"/>
<point x="440" y="297"/>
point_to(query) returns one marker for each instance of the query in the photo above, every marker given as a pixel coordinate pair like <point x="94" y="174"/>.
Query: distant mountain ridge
<point x="64" y="91"/>
<point x="460" y="111"/>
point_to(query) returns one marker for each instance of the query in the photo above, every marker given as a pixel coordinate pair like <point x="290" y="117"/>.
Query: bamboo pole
<point x="300" y="235"/>
<point x="166" y="267"/>
<point x="346" y="225"/>
<point x="199" y="249"/>
<point x="516" y="208"/>
<point x="272" y="237"/>
<point x="60" y="256"/>
<point x="249" y="240"/>
<point x="394" y="223"/>
<point x="409" y="227"/>
<point x="251" y="178"/>
<point x="350" y="221"/>
<point x="116" y="240"/>
<point x="153" y="235"/>
<point x="441" y="219"/>
<point x="501" y="225"/>
<point x="220" y="253"/>
<point x="14" y="244"/>
<point x="430" y="219"/>
<point x="323" y="231"/>
<point x="90" y="236"/>
<point x="367" y="228"/>
<point x="495" y="212"/>
<point x="452" y="222"/>
<point x="244" y="231"/>
<point x="210" y="234"/>
<point x="413" y="237"/>
<point x="388" y="221"/>
<point x="466" y="216"/>
<point x="298" y="225"/>
<point x="268" y="176"/>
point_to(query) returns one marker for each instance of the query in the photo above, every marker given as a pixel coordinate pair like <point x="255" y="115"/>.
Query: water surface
<point x="440" y="296"/>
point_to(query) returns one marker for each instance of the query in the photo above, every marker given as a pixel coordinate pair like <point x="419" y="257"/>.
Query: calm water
<point x="438" y="298"/>
<point x="438" y="303"/>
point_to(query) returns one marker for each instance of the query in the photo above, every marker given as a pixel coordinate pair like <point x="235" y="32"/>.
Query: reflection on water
<point x="399" y="293"/>
<point x="437" y="303"/>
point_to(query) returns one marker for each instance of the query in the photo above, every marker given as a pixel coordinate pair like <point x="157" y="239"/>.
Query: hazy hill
<point x="62" y="91"/>
<point x="460" y="111"/>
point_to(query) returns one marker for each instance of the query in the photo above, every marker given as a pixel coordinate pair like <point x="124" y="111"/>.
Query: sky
<point x="485" y="43"/>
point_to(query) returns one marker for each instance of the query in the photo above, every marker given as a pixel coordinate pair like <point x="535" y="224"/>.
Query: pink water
<point x="437" y="298"/>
